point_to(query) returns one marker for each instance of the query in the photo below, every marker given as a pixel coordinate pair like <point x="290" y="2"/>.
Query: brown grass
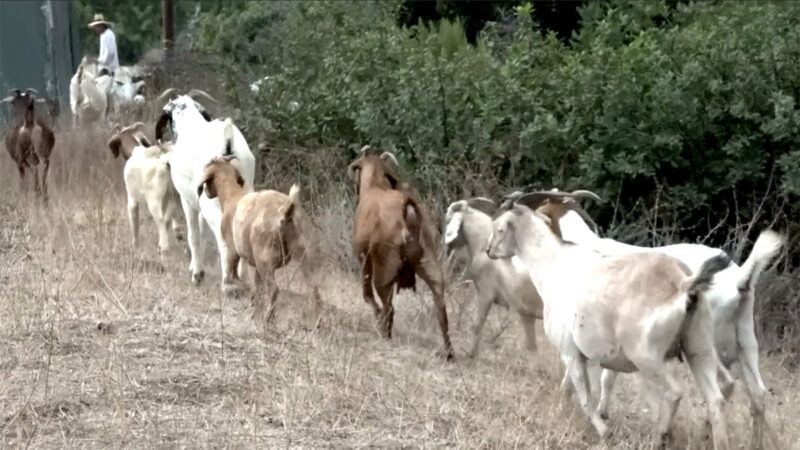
<point x="101" y="347"/>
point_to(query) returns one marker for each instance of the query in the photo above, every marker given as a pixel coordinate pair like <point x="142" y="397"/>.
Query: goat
<point x="29" y="113"/>
<point x="731" y="297"/>
<point x="198" y="141"/>
<point x="147" y="181"/>
<point x="496" y="280"/>
<point x="628" y="313"/>
<point x="93" y="97"/>
<point x="124" y="140"/>
<point x="264" y="228"/>
<point x="393" y="241"/>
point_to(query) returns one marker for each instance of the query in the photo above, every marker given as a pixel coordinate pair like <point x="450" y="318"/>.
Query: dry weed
<point x="102" y="347"/>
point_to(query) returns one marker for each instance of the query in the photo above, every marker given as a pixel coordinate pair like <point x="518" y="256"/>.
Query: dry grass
<point x="101" y="347"/>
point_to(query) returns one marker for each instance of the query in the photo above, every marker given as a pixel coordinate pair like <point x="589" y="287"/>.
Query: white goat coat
<point x="495" y="280"/>
<point x="730" y="300"/>
<point x="147" y="182"/>
<point x="197" y="143"/>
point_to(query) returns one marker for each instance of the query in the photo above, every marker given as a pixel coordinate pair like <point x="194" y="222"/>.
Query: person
<point x="107" y="60"/>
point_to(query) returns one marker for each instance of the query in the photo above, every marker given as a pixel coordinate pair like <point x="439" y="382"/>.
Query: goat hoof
<point x="232" y="290"/>
<point x="197" y="278"/>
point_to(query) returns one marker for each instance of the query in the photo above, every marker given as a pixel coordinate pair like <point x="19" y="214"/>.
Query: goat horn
<point x="365" y="149"/>
<point x="390" y="155"/>
<point x="115" y="129"/>
<point x="586" y="218"/>
<point x="533" y="199"/>
<point x="31" y="90"/>
<point x="166" y="94"/>
<point x="201" y="93"/>
<point x="582" y="193"/>
<point x="509" y="199"/>
<point x="482" y="204"/>
<point x="12" y="94"/>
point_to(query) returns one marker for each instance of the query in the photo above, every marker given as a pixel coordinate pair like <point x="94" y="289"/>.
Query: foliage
<point x="685" y="115"/>
<point x="137" y="24"/>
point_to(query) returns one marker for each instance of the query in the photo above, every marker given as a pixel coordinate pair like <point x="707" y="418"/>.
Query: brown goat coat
<point x="262" y="228"/>
<point x="19" y="139"/>
<point x="123" y="141"/>
<point x="393" y="242"/>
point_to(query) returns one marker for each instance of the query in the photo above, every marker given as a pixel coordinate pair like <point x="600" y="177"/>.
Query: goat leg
<point x="45" y="171"/>
<point x="366" y="284"/>
<point x="429" y="271"/>
<point x="484" y="305"/>
<point x="386" y="293"/>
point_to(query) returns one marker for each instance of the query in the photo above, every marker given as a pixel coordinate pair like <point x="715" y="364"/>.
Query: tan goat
<point x="124" y="140"/>
<point x="393" y="241"/>
<point x="264" y="228"/>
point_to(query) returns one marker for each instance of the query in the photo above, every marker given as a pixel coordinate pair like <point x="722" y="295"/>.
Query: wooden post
<point x="167" y="24"/>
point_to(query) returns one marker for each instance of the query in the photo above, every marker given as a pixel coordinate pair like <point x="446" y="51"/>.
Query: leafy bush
<point x="683" y="113"/>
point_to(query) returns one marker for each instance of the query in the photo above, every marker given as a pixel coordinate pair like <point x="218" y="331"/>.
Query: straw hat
<point x="99" y="19"/>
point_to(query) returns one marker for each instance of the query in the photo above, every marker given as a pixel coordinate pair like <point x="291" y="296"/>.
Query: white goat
<point x="495" y="280"/>
<point x="147" y="181"/>
<point x="628" y="313"/>
<point x="731" y="297"/>
<point x="92" y="97"/>
<point x="198" y="141"/>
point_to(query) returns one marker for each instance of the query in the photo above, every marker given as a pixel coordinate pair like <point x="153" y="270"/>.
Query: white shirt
<point x="108" y="51"/>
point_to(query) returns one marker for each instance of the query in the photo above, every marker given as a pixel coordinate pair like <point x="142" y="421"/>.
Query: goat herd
<point x="626" y="308"/>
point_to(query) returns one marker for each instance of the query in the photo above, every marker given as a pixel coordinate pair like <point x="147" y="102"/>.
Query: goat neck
<point x="229" y="192"/>
<point x="372" y="177"/>
<point x="187" y="119"/>
<point x="476" y="227"/>
<point x="537" y="246"/>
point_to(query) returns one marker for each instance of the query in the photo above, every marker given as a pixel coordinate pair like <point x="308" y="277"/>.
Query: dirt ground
<point x="102" y="346"/>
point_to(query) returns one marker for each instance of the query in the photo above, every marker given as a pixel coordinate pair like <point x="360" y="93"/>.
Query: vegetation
<point x="686" y="115"/>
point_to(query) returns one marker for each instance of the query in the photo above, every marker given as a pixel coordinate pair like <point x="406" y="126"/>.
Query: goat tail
<point x="766" y="247"/>
<point x="227" y="133"/>
<point x="702" y="281"/>
<point x="294" y="194"/>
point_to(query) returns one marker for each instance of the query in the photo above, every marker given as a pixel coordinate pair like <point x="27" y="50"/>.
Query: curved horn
<point x="585" y="216"/>
<point x="163" y="120"/>
<point x="197" y="92"/>
<point x="12" y="94"/>
<point x="115" y="128"/>
<point x="390" y="156"/>
<point x="509" y="199"/>
<point x="582" y="193"/>
<point x="365" y="149"/>
<point x="169" y="93"/>
<point x="482" y="204"/>
<point x="31" y="90"/>
<point x="533" y="199"/>
<point x="140" y="126"/>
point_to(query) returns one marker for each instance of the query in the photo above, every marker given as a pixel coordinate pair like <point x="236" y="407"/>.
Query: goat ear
<point x="208" y="184"/>
<point x="163" y="120"/>
<point x="114" y="144"/>
<point x="354" y="169"/>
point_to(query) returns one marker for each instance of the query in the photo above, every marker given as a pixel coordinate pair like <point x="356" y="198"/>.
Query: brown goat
<point x="123" y="141"/>
<point x="393" y="242"/>
<point x="30" y="113"/>
<point x="264" y="228"/>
